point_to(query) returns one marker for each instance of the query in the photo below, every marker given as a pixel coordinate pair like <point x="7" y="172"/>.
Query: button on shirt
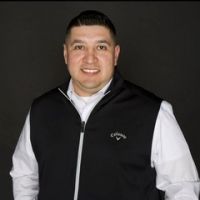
<point x="176" y="172"/>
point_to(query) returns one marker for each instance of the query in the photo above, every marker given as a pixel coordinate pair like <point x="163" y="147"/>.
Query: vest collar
<point x="115" y="85"/>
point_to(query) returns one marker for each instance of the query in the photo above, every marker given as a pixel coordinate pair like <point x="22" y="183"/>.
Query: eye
<point x="102" y="47"/>
<point x="78" y="47"/>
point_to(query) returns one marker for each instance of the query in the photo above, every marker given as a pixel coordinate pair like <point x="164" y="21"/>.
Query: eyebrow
<point x="104" y="41"/>
<point x="81" y="42"/>
<point x="76" y="41"/>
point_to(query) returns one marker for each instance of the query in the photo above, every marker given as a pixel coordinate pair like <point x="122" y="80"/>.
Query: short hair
<point x="92" y="17"/>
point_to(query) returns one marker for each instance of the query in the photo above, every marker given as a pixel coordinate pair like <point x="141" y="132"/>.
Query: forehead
<point x="89" y="32"/>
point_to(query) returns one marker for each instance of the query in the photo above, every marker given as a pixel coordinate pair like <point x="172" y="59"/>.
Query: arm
<point x="176" y="172"/>
<point x="24" y="172"/>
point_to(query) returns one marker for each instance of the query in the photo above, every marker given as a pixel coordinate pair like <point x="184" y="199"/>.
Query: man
<point x="99" y="137"/>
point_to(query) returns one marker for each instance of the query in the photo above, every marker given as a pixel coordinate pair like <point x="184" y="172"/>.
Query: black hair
<point x="92" y="17"/>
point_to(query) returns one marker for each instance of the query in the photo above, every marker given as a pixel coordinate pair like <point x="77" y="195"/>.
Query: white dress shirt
<point x="176" y="172"/>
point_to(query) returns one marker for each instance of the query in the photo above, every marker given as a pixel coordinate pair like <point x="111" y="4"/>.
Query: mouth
<point x="90" y="71"/>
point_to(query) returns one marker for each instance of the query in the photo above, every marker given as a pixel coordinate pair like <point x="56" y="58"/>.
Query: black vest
<point x="116" y="151"/>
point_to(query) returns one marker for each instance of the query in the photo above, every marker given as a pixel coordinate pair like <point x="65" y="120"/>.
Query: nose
<point x="90" y="56"/>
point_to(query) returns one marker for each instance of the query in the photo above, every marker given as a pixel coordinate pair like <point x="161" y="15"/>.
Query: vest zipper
<point x="79" y="157"/>
<point x="80" y="148"/>
<point x="78" y="166"/>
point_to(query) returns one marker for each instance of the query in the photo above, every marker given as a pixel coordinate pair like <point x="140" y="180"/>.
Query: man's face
<point x="91" y="56"/>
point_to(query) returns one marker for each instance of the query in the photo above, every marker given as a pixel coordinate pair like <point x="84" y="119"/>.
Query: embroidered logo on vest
<point x="118" y="136"/>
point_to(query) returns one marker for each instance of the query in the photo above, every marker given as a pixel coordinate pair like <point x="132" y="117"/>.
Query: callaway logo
<point x="118" y="136"/>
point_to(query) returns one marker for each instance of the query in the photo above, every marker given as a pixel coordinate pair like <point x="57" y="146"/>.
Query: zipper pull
<point x="82" y="127"/>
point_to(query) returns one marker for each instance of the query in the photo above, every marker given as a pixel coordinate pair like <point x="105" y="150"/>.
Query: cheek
<point x="107" y="60"/>
<point x="73" y="59"/>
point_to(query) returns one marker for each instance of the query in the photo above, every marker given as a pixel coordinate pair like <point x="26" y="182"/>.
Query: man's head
<point x="90" y="51"/>
<point x="92" y="17"/>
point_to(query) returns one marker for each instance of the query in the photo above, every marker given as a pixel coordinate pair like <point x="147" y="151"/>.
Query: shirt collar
<point x="71" y="92"/>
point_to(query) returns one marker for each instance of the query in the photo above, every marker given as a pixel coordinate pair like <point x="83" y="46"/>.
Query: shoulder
<point x="141" y="92"/>
<point x="49" y="96"/>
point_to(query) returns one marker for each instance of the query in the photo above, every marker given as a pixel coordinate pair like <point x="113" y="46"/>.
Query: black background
<point x="160" y="47"/>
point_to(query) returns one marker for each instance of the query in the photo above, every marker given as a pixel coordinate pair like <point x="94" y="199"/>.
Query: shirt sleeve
<point x="24" y="171"/>
<point x="176" y="172"/>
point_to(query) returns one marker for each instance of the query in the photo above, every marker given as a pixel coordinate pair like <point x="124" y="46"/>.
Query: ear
<point x="117" y="52"/>
<point x="65" y="53"/>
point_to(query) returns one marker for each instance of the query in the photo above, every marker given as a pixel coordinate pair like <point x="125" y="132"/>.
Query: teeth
<point x="90" y="70"/>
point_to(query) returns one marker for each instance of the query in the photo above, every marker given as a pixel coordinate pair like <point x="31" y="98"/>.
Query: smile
<point x="90" y="71"/>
